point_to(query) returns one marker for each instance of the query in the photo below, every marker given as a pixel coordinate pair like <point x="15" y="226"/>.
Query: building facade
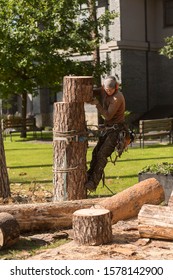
<point x="136" y="37"/>
<point x="139" y="33"/>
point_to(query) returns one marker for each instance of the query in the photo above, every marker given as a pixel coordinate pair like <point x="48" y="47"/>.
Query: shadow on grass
<point x="122" y="177"/>
<point x="142" y="159"/>
<point x="30" y="182"/>
<point x="29" y="166"/>
<point x="27" y="247"/>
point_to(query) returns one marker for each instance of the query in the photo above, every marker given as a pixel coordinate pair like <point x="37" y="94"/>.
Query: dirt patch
<point x="126" y="245"/>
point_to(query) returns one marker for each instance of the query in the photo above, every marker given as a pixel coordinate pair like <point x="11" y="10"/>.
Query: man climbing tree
<point x="115" y="133"/>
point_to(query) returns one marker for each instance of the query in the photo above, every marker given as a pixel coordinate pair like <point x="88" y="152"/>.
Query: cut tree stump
<point x="9" y="230"/>
<point x="156" y="222"/>
<point x="127" y="203"/>
<point x="77" y="89"/>
<point x="92" y="226"/>
<point x="170" y="202"/>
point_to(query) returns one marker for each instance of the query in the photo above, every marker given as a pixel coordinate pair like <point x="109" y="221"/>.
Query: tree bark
<point x="170" y="202"/>
<point x="9" y="230"/>
<point x="77" y="89"/>
<point x="46" y="216"/>
<point x="156" y="222"/>
<point x="24" y="110"/>
<point x="4" y="179"/>
<point x="124" y="205"/>
<point x="128" y="203"/>
<point x="92" y="226"/>
<point x="70" y="148"/>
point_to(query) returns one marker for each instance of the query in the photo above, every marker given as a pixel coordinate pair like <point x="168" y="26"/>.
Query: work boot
<point x="90" y="185"/>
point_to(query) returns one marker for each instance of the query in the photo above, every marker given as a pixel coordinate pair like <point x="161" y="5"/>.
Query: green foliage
<point x="164" y="168"/>
<point x="37" y="39"/>
<point x="167" y="50"/>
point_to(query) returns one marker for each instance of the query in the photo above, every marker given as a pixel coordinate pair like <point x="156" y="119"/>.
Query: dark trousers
<point x="103" y="149"/>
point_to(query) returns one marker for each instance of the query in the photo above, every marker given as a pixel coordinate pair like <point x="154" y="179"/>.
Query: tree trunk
<point x="77" y="89"/>
<point x="128" y="203"/>
<point x="4" y="179"/>
<point x="156" y="222"/>
<point x="70" y="141"/>
<point x="70" y="148"/>
<point x="24" y="110"/>
<point x="9" y="230"/>
<point x="96" y="52"/>
<point x="46" y="216"/>
<point x="92" y="226"/>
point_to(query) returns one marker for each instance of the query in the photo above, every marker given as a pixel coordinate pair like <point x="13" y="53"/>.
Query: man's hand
<point x="94" y="101"/>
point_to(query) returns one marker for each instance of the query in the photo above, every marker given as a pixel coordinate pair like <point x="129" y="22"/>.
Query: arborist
<point x="114" y="135"/>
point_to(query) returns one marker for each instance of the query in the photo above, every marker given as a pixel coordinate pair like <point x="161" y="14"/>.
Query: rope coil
<point x="69" y="136"/>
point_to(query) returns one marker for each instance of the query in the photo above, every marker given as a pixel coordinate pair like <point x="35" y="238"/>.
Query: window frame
<point x="165" y="10"/>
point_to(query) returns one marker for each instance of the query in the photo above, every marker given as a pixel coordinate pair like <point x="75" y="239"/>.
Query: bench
<point x="155" y="128"/>
<point x="13" y="125"/>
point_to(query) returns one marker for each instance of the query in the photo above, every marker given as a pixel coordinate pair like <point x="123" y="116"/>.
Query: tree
<point x="36" y="40"/>
<point x="4" y="180"/>
<point x="167" y="50"/>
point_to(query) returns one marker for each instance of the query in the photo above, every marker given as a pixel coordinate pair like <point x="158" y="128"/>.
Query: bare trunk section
<point x="70" y="141"/>
<point x="70" y="148"/>
<point x="4" y="179"/>
<point x="24" y="110"/>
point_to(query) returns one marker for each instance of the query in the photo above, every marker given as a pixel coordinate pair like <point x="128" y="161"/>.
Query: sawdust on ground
<point x="126" y="245"/>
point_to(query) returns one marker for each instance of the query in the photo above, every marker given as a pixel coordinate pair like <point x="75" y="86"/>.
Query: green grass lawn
<point x="30" y="163"/>
<point x="30" y="166"/>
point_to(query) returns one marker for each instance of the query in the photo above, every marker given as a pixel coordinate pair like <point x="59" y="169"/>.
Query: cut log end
<point x="170" y="202"/>
<point x="156" y="222"/>
<point x="9" y="230"/>
<point x="92" y="226"/>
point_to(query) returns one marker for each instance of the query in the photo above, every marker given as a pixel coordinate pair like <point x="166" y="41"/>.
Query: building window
<point x="168" y="13"/>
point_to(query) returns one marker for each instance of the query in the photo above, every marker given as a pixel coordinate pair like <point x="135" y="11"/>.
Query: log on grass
<point x="9" y="230"/>
<point x="156" y="222"/>
<point x="77" y="89"/>
<point x="92" y="226"/>
<point x="46" y="216"/>
<point x="128" y="203"/>
<point x="124" y="205"/>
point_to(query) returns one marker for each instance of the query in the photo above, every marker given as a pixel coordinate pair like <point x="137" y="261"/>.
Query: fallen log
<point x="9" y="230"/>
<point x="127" y="203"/>
<point x="58" y="215"/>
<point x="46" y="216"/>
<point x="156" y="222"/>
<point x="170" y="202"/>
